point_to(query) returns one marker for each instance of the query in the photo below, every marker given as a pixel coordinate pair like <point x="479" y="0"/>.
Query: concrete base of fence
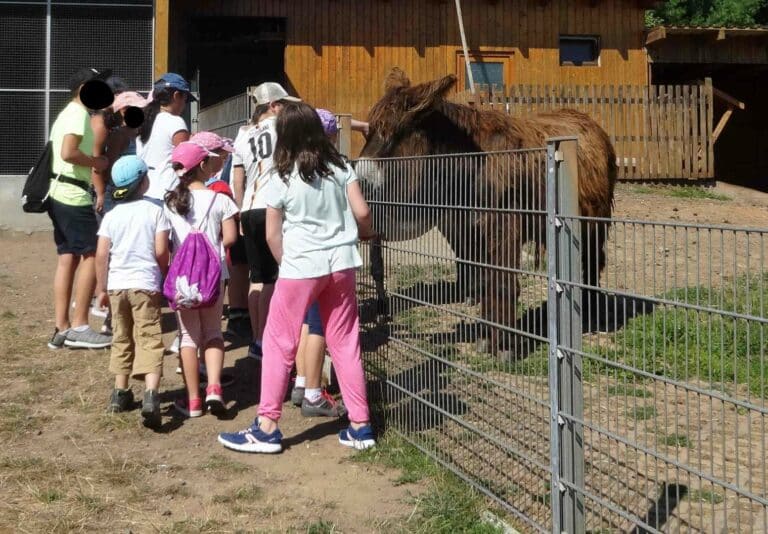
<point x="12" y="218"/>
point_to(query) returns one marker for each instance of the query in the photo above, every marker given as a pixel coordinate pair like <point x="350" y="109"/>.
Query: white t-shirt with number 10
<point x="254" y="148"/>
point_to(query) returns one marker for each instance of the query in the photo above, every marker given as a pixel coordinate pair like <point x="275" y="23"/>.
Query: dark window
<point x="487" y="73"/>
<point x="579" y="50"/>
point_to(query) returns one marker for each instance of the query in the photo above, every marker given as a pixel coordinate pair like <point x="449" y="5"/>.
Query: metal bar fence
<point x="630" y="398"/>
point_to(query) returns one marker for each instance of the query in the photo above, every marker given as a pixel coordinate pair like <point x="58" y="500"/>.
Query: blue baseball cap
<point x="174" y="81"/>
<point x="127" y="174"/>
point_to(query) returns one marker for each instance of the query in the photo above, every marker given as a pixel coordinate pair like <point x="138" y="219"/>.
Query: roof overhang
<point x="660" y="33"/>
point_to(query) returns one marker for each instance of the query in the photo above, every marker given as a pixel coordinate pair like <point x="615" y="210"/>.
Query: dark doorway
<point x="232" y="53"/>
<point x="741" y="151"/>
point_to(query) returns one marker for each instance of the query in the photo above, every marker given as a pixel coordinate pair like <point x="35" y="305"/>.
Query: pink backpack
<point x="194" y="275"/>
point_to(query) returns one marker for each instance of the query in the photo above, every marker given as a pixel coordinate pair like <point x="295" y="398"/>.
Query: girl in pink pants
<point x="315" y="213"/>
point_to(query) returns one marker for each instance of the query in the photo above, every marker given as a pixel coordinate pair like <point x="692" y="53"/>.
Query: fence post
<point x="565" y="305"/>
<point x="552" y="320"/>
<point x="344" y="141"/>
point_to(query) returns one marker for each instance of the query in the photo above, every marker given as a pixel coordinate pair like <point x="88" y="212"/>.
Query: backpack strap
<point x="208" y="211"/>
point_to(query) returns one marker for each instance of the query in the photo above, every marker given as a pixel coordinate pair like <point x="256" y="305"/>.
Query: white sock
<point x="82" y="328"/>
<point x="313" y="394"/>
<point x="301" y="381"/>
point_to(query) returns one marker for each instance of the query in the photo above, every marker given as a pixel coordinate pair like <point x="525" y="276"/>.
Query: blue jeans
<point x="312" y="320"/>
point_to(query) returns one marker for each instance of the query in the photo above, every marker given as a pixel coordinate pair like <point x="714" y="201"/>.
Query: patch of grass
<point x="642" y="190"/>
<point x="248" y="493"/>
<point x="8" y="314"/>
<point x="322" y="527"/>
<point x="642" y="413"/>
<point x="49" y="495"/>
<point x="393" y="451"/>
<point x="92" y="504"/>
<point x="696" y="192"/>
<point x="408" y="275"/>
<point x="705" y="496"/>
<point x="219" y="463"/>
<point x="420" y="319"/>
<point x="448" y="504"/>
<point x="626" y="390"/>
<point x="687" y="344"/>
<point x="676" y="440"/>
<point x="187" y="526"/>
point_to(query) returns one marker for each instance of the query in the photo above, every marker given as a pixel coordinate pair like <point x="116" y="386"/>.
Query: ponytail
<point x="180" y="199"/>
<point x="160" y="97"/>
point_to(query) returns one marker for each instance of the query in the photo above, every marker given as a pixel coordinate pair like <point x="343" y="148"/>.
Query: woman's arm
<point x="99" y="177"/>
<point x="275" y="232"/>
<point x="238" y="184"/>
<point x="71" y="153"/>
<point x="360" y="210"/>
<point x="180" y="137"/>
<point x="102" y="269"/>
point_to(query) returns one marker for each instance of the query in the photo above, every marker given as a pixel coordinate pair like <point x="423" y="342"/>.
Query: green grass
<point x="447" y="505"/>
<point x="681" y="191"/>
<point x="248" y="493"/>
<point x="408" y="275"/>
<point x="642" y="413"/>
<point x="677" y="440"/>
<point x="219" y="463"/>
<point x="8" y="314"/>
<point x="322" y="527"/>
<point x="626" y="390"/>
<point x="705" y="496"/>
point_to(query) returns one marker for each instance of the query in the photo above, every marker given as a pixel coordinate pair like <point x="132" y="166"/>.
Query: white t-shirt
<point x="319" y="229"/>
<point x="223" y="208"/>
<point x="254" y="148"/>
<point x="131" y="227"/>
<point x="156" y="153"/>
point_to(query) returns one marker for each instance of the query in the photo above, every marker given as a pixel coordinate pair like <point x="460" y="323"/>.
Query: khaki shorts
<point x="137" y="346"/>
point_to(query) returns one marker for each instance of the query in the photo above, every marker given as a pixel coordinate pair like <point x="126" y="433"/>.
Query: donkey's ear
<point x="427" y="95"/>
<point x="396" y="79"/>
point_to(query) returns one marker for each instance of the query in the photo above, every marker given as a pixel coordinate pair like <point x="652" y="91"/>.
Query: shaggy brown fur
<point x="418" y="120"/>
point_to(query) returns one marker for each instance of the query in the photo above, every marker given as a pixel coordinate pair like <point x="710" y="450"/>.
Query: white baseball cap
<point x="269" y="92"/>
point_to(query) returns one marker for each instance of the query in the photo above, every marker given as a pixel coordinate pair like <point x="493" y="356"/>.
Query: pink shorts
<point x="201" y="326"/>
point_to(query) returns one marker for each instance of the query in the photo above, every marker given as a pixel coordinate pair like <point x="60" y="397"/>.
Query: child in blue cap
<point x="131" y="260"/>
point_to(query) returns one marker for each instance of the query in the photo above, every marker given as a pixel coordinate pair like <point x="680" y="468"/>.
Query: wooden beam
<point x="721" y="124"/>
<point x="162" y="9"/>
<point x="656" y="34"/>
<point x="722" y="95"/>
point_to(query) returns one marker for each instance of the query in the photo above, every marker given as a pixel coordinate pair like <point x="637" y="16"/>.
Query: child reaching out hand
<point x="315" y="211"/>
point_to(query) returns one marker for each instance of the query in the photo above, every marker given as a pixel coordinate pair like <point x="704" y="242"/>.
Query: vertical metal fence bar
<point x="569" y="305"/>
<point x="554" y="364"/>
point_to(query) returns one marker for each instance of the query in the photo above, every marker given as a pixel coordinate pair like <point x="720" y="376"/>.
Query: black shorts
<point x="74" y="228"/>
<point x="237" y="251"/>
<point x="262" y="264"/>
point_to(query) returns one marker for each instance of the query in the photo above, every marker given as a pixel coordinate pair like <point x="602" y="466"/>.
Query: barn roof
<point x="718" y="33"/>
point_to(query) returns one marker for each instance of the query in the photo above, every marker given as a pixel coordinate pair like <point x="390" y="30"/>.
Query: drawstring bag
<point x="195" y="272"/>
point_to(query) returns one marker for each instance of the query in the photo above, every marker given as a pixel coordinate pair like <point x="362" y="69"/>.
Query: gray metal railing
<point x="627" y="399"/>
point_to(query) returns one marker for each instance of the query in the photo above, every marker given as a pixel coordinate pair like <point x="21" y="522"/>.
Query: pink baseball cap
<point x="330" y="125"/>
<point x="189" y="155"/>
<point x="212" y="141"/>
<point x="128" y="99"/>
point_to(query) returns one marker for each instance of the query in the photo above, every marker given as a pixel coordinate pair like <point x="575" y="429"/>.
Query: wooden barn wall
<point x="340" y="50"/>
<point x="705" y="49"/>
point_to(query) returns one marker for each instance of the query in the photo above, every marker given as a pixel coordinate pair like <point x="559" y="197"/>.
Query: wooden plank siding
<point x="659" y="132"/>
<point x="338" y="51"/>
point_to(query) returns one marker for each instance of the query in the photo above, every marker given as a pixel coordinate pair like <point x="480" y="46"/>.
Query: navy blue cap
<point x="174" y="81"/>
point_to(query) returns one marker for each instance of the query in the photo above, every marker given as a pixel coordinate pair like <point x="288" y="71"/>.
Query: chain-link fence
<point x="630" y="398"/>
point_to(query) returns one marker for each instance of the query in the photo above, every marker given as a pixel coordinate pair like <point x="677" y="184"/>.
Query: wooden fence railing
<point x="659" y="131"/>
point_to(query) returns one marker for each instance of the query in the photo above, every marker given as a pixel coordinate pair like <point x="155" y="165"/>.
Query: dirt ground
<point x="65" y="465"/>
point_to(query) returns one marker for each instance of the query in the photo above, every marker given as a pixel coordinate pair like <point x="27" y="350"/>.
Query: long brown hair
<point x="180" y="199"/>
<point x="301" y="141"/>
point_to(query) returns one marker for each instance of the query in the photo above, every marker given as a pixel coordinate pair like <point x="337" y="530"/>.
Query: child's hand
<point x="102" y="301"/>
<point x="367" y="235"/>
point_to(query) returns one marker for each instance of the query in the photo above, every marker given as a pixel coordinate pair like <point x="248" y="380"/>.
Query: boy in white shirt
<point x="131" y="260"/>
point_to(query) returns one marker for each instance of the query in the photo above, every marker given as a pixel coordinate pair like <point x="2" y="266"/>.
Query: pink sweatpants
<point x="335" y="294"/>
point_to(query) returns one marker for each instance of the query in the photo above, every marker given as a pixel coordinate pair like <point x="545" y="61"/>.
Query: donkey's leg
<point x="465" y="237"/>
<point x="377" y="272"/>
<point x="593" y="260"/>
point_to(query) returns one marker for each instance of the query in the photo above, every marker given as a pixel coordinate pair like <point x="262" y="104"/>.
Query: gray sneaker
<point x="325" y="406"/>
<point x="150" y="409"/>
<point x="297" y="396"/>
<point x="120" y="401"/>
<point x="57" y="339"/>
<point x="87" y="339"/>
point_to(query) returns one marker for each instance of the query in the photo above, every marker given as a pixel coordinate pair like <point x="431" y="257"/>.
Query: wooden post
<point x="344" y="142"/>
<point x="160" y="66"/>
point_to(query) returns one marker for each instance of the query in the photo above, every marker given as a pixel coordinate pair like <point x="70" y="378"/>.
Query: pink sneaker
<point x="189" y="407"/>
<point x="214" y="399"/>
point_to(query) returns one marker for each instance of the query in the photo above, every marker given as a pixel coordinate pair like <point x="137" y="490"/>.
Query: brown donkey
<point x="411" y="122"/>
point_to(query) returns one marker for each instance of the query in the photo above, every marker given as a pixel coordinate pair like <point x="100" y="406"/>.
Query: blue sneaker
<point x="253" y="439"/>
<point x="359" y="439"/>
<point x="254" y="351"/>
